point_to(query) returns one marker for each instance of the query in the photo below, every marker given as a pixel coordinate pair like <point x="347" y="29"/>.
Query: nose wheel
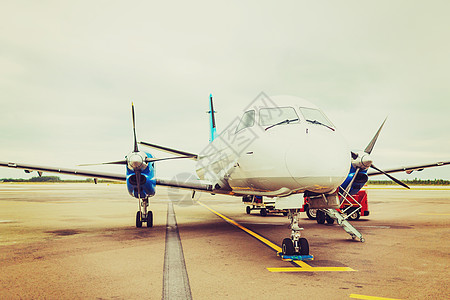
<point x="142" y="215"/>
<point x="296" y="244"/>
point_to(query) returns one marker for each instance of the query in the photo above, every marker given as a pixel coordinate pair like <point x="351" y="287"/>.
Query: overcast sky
<point x="70" y="69"/>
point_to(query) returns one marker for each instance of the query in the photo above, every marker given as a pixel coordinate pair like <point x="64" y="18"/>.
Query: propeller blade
<point x="138" y="182"/>
<point x="392" y="178"/>
<point x="148" y="159"/>
<point x="118" y="162"/>
<point x="369" y="147"/>
<point x="354" y="155"/>
<point x="134" y="129"/>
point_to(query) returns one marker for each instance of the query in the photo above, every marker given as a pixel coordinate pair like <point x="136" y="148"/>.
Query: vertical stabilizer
<point x="212" y="120"/>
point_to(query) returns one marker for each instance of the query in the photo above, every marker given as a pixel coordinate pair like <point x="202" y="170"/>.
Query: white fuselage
<point x="277" y="161"/>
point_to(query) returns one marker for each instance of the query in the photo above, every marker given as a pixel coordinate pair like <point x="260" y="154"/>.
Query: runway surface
<point x="69" y="241"/>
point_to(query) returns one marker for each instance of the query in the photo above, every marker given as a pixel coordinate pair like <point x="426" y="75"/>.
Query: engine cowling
<point x="359" y="182"/>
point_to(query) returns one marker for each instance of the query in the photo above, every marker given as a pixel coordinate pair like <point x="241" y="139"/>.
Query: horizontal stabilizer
<point x="171" y="150"/>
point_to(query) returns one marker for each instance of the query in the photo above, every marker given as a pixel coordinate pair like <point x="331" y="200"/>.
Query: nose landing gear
<point x="142" y="215"/>
<point x="296" y="244"/>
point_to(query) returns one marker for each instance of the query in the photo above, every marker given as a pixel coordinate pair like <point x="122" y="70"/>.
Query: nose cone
<point x="319" y="160"/>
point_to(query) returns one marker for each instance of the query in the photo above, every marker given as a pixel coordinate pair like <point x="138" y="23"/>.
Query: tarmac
<point x="72" y="241"/>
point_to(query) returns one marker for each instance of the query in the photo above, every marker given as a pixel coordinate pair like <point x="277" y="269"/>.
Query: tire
<point x="320" y="217"/>
<point x="311" y="213"/>
<point x="304" y="246"/>
<point x="287" y="247"/>
<point x="150" y="219"/>
<point x="248" y="210"/>
<point x="285" y="213"/>
<point x="263" y="212"/>
<point x="355" y="216"/>
<point x="138" y="219"/>
<point x="329" y="219"/>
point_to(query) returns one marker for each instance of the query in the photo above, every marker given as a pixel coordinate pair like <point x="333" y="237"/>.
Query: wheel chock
<point x="295" y="257"/>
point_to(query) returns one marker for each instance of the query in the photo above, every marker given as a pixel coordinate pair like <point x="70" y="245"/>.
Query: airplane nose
<point x="319" y="160"/>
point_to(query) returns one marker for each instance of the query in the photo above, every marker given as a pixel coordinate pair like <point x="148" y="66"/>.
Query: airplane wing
<point x="95" y="174"/>
<point x="410" y="169"/>
<point x="192" y="185"/>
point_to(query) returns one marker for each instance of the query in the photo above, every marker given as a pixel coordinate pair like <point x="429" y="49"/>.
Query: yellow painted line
<point x="302" y="264"/>
<point x="356" y="296"/>
<point x="255" y="235"/>
<point x="303" y="267"/>
<point x="310" y="269"/>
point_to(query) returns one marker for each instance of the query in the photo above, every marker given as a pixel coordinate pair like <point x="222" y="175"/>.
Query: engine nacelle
<point x="359" y="182"/>
<point x="147" y="181"/>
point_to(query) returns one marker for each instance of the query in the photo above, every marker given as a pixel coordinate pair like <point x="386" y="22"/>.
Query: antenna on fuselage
<point x="212" y="119"/>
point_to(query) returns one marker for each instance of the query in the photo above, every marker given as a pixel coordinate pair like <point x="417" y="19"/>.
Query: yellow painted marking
<point x="255" y="235"/>
<point x="302" y="264"/>
<point x="311" y="269"/>
<point x="303" y="267"/>
<point x="356" y="296"/>
<point x="432" y="214"/>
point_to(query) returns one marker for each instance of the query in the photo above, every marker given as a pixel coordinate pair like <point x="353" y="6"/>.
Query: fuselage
<point x="283" y="147"/>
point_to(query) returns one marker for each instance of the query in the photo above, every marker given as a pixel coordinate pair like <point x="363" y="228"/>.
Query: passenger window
<point x="247" y="120"/>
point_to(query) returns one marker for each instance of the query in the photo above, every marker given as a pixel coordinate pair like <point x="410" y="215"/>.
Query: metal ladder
<point x="342" y="221"/>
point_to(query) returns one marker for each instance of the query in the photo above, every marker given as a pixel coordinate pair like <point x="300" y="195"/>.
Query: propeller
<point x="136" y="160"/>
<point x="362" y="161"/>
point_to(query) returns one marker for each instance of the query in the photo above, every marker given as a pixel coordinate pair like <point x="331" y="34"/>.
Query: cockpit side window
<point x="247" y="120"/>
<point x="316" y="116"/>
<point x="276" y="115"/>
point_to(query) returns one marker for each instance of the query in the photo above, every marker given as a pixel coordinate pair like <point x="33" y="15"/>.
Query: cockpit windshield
<point x="316" y="116"/>
<point x="247" y="120"/>
<point x="277" y="115"/>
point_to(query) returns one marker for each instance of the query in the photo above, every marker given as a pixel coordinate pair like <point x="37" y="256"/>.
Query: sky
<point x="69" y="71"/>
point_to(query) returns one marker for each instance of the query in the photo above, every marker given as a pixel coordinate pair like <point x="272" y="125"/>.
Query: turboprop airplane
<point x="282" y="148"/>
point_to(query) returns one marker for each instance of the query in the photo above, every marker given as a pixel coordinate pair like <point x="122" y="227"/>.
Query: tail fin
<point x="212" y="120"/>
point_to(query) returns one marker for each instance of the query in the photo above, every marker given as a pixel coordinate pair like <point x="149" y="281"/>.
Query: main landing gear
<point x="295" y="244"/>
<point x="142" y="215"/>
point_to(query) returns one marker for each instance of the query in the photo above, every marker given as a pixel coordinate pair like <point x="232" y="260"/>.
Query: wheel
<point x="138" y="219"/>
<point x="320" y="217"/>
<point x="355" y="215"/>
<point x="150" y="219"/>
<point x="329" y="219"/>
<point x="248" y="210"/>
<point x="263" y="212"/>
<point x="311" y="213"/>
<point x="285" y="213"/>
<point x="287" y="247"/>
<point x="304" y="246"/>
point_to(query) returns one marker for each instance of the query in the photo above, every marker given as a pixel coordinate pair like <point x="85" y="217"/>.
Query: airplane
<point x="283" y="147"/>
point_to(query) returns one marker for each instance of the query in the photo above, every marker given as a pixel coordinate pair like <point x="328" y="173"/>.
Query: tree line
<point x="52" y="179"/>
<point x="414" y="181"/>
